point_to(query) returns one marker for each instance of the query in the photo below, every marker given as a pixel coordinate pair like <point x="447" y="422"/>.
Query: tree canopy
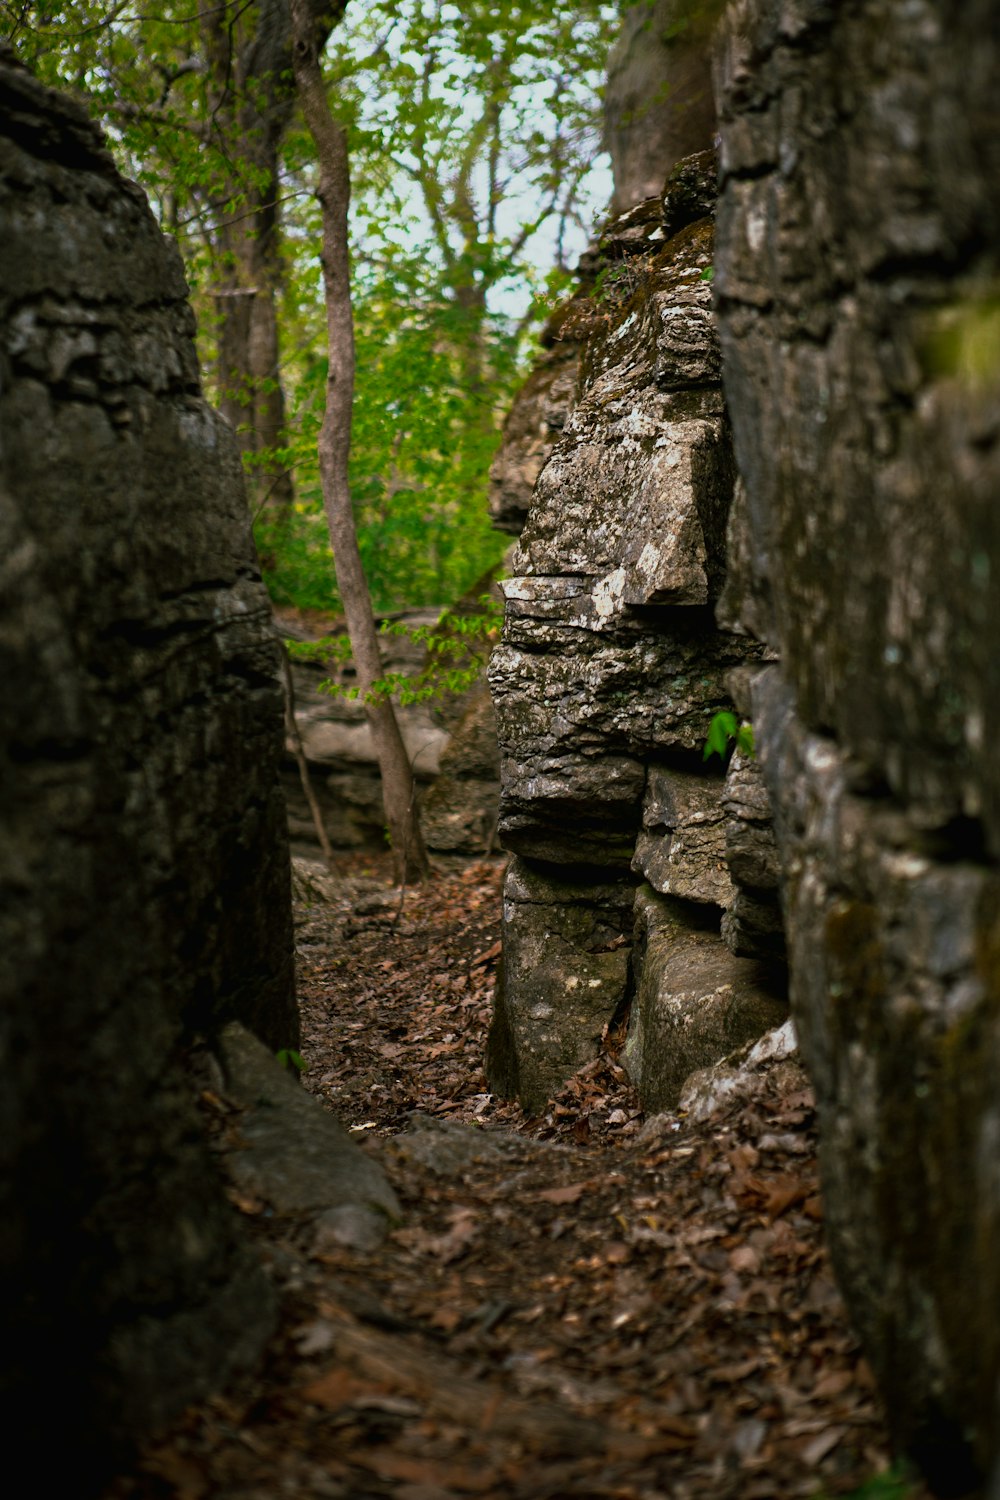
<point x="472" y="133"/>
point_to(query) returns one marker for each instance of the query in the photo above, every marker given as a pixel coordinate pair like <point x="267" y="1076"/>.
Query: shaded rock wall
<point x="609" y="671"/>
<point x="658" y="102"/>
<point x="144" y="883"/>
<point x="858" y="263"/>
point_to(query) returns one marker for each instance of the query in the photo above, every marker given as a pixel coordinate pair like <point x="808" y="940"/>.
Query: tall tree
<point x="334" y="192"/>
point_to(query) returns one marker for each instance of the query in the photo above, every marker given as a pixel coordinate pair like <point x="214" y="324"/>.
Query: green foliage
<point x="419" y="458"/>
<point x="290" y="1059"/>
<point x="471" y="148"/>
<point x="708" y="274"/>
<point x="456" y="650"/>
<point x="725" y="730"/>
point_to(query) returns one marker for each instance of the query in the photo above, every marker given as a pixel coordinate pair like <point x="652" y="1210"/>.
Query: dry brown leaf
<point x="572" y="1193"/>
<point x="426" y="1471"/>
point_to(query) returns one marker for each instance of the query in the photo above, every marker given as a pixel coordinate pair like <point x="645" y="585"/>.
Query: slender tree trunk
<point x="398" y="790"/>
<point x="246" y="50"/>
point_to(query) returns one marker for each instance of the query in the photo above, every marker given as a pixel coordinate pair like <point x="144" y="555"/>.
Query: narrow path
<point x="580" y="1305"/>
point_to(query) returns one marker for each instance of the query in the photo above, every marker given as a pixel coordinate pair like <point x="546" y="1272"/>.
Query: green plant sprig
<point x="725" y="730"/>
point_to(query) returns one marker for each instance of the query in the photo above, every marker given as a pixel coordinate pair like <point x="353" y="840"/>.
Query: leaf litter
<point x="576" y="1304"/>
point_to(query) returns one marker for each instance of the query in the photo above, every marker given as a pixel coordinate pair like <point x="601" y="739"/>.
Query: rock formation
<point x="144" y="883"/>
<point x="658" y="104"/>
<point x="858" y="260"/>
<point x="610" y="669"/>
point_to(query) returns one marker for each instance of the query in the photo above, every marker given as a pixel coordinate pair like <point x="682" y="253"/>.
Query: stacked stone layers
<point x="610" y="669"/>
<point x="144" y="884"/>
<point x="858" y="263"/>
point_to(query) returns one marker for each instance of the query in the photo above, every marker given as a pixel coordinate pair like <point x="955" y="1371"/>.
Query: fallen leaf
<point x="570" y="1194"/>
<point x="815" y="1451"/>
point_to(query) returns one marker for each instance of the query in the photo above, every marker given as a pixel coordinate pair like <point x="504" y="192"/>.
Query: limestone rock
<point x="855" y="283"/>
<point x="658" y="99"/>
<point x="535" y="422"/>
<point x="565" y="972"/>
<point x="292" y="1152"/>
<point x="681" y="847"/>
<point x="713" y="1090"/>
<point x="611" y="658"/>
<point x="857" y="260"/>
<point x="753" y="926"/>
<point x="578" y="711"/>
<point x="896" y="996"/>
<point x="690" y="192"/>
<point x="450" y="1148"/>
<point x="694" y="1001"/>
<point x="144" y="880"/>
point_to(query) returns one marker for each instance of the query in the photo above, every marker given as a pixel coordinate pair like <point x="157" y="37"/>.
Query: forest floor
<point x="578" y="1305"/>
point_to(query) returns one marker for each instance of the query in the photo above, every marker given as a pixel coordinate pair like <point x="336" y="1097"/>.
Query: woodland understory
<point x="580" y="1304"/>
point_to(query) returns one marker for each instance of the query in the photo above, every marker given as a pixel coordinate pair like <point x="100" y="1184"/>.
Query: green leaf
<point x="723" y="728"/>
<point x="289" y="1058"/>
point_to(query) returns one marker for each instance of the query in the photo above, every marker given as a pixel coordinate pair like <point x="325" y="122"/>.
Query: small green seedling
<point x="722" y="731"/>
<point x="708" y="274"/>
<point x="289" y="1058"/>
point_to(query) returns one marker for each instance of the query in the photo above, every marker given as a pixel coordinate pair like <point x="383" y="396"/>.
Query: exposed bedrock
<point x="565" y="973"/>
<point x="857" y="265"/>
<point x="144" y="879"/>
<point x="694" y="1001"/>
<point x="611" y="666"/>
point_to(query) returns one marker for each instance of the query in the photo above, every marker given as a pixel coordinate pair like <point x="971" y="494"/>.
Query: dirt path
<point x="575" y="1306"/>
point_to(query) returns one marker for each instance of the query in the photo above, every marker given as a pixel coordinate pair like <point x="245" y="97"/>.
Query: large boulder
<point x="857" y="264"/>
<point x="144" y="878"/>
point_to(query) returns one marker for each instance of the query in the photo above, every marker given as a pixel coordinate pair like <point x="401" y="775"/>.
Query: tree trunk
<point x="398" y="790"/>
<point x="247" y="53"/>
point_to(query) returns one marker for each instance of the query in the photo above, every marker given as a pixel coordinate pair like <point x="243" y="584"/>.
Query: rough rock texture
<point x="658" y="104"/>
<point x="694" y="1002"/>
<point x="291" y="1151"/>
<point x="752" y="927"/>
<point x="144" y="882"/>
<point x="533" y="425"/>
<point x="681" y="848"/>
<point x="739" y="1076"/>
<point x="565" y="973"/>
<point x="858" y="262"/>
<point x="611" y="664"/>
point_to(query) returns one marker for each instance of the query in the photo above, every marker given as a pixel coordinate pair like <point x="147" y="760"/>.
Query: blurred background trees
<point x="473" y="133"/>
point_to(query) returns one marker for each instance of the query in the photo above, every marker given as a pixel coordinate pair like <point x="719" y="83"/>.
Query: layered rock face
<point x="858" y="262"/>
<point x="610" y="669"/>
<point x="144" y="885"/>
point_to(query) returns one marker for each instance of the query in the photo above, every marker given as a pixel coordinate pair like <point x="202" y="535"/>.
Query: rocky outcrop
<point x="144" y="882"/>
<point x="566" y="939"/>
<point x="658" y="104"/>
<point x="857" y="271"/>
<point x="609" y="671"/>
<point x="694" y="1002"/>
